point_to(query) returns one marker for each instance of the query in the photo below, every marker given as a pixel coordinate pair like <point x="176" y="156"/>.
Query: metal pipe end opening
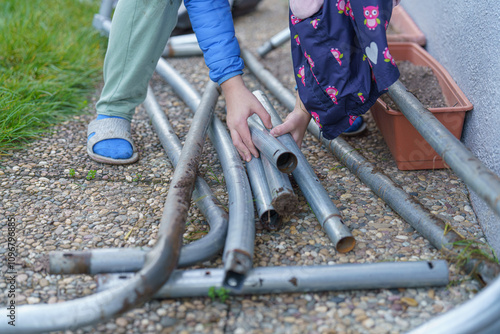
<point x="286" y="162"/>
<point x="345" y="244"/>
<point x="271" y="220"/>
<point x="233" y="280"/>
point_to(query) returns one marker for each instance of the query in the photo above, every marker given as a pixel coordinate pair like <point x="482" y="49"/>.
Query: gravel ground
<point x="122" y="206"/>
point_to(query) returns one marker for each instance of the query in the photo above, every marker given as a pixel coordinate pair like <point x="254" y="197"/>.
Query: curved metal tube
<point x="212" y="243"/>
<point x="274" y="42"/>
<point x="239" y="247"/>
<point x="473" y="316"/>
<point x="160" y="261"/>
<point x="473" y="172"/>
<point x="290" y="279"/>
<point x="326" y="212"/>
<point x="275" y="152"/>
<point x="268" y="216"/>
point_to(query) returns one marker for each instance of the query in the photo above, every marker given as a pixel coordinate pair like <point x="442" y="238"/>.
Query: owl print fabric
<point x="341" y="60"/>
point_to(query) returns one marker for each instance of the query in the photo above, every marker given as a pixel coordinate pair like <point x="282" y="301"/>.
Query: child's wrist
<point x="303" y="108"/>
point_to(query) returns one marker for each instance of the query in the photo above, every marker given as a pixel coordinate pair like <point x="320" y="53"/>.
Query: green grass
<point x="50" y="60"/>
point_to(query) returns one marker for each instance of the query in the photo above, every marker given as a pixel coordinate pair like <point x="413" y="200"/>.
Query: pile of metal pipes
<point x="237" y="273"/>
<point x="478" y="315"/>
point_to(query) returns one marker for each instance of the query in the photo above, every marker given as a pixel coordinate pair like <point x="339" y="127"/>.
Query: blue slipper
<point x="357" y="127"/>
<point x="109" y="141"/>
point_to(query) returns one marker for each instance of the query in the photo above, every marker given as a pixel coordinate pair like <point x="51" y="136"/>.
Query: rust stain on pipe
<point x="80" y="263"/>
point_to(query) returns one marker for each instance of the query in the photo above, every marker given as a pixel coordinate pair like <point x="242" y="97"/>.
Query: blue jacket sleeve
<point x="212" y="23"/>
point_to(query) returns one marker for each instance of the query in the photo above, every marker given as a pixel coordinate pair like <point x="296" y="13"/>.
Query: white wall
<point x="464" y="36"/>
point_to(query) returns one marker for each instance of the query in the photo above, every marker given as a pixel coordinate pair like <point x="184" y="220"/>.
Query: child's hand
<point x="241" y="104"/>
<point x="295" y="123"/>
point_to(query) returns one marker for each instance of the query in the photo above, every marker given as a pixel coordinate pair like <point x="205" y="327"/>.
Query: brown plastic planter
<point x="407" y="146"/>
<point x="407" y="30"/>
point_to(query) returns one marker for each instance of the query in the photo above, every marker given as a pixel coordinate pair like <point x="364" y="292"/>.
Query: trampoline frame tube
<point x="326" y="212"/>
<point x="239" y="246"/>
<point x="274" y="42"/>
<point x="160" y="261"/>
<point x="290" y="279"/>
<point x="275" y="152"/>
<point x="269" y="218"/>
<point x="432" y="130"/>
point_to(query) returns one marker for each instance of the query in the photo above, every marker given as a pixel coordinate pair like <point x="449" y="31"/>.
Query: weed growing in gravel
<point x="72" y="172"/>
<point x="137" y="177"/>
<point x="214" y="176"/>
<point x="465" y="250"/>
<point x="91" y="174"/>
<point x="218" y="293"/>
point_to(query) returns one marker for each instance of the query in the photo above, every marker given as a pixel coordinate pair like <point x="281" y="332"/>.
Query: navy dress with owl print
<point x="341" y="60"/>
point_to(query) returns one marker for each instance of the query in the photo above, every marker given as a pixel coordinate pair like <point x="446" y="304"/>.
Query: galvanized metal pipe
<point x="274" y="42"/>
<point x="268" y="216"/>
<point x="182" y="50"/>
<point x="326" y="212"/>
<point x="474" y="316"/>
<point x="284" y="199"/>
<point x="290" y="279"/>
<point x="471" y="170"/>
<point x="280" y="156"/>
<point x="239" y="247"/>
<point x="131" y="260"/>
<point x="429" y="226"/>
<point x="183" y="39"/>
<point x="160" y="261"/>
<point x="106" y="8"/>
<point x="102" y="24"/>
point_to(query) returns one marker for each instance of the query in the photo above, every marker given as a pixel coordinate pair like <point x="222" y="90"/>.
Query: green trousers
<point x="139" y="32"/>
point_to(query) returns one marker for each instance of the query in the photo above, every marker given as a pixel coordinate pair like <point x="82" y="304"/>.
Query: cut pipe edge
<point x="326" y="212"/>
<point x="283" y="198"/>
<point x="268" y="216"/>
<point x="271" y="220"/>
<point x="279" y="155"/>
<point x="286" y="162"/>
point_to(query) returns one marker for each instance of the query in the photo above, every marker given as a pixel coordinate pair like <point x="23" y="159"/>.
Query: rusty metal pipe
<point x="290" y="279"/>
<point x="239" y="247"/>
<point x="283" y="199"/>
<point x="113" y="260"/>
<point x="160" y="261"/>
<point x="182" y="50"/>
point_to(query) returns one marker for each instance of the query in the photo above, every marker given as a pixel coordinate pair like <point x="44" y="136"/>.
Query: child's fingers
<point x="265" y="117"/>
<point x="240" y="146"/>
<point x="281" y="129"/>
